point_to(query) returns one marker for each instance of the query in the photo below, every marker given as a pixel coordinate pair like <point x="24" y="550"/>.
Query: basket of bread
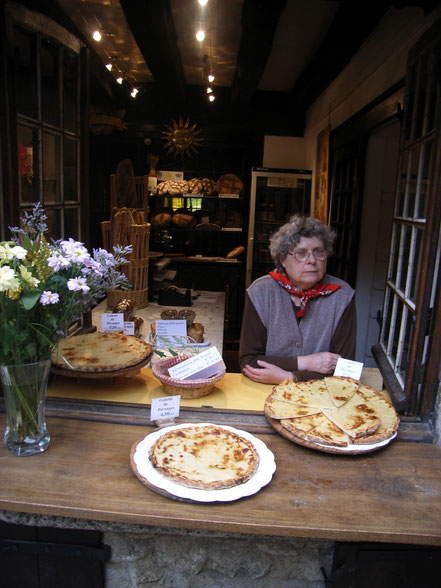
<point x="185" y="388"/>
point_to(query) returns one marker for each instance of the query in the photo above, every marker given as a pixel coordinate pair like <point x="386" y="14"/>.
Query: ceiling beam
<point x="152" y="25"/>
<point x="259" y="23"/>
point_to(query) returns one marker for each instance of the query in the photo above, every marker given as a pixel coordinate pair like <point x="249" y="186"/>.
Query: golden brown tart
<point x="100" y="352"/>
<point x="207" y="457"/>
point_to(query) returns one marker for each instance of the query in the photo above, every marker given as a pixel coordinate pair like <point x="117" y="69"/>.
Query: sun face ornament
<point x="181" y="138"/>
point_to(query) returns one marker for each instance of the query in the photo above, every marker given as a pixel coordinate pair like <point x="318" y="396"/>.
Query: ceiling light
<point x="210" y="78"/>
<point x="134" y="92"/>
<point x="119" y="80"/>
<point x="97" y="36"/>
<point x="202" y="2"/>
<point x="211" y="97"/>
<point x="200" y="35"/>
<point x="209" y="90"/>
<point x="109" y="66"/>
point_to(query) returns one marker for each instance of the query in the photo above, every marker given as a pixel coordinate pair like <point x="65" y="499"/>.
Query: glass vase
<point x="24" y="388"/>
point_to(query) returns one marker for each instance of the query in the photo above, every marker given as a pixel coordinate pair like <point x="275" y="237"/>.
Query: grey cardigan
<point x="285" y="335"/>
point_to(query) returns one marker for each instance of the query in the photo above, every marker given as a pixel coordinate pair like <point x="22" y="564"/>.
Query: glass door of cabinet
<point x="276" y="195"/>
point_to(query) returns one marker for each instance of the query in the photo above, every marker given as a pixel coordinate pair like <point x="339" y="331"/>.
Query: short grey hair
<point x="288" y="236"/>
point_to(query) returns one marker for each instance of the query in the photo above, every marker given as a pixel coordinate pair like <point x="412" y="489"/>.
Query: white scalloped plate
<point x="144" y="469"/>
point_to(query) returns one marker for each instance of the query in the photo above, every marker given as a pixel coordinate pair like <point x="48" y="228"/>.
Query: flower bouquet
<point x="44" y="288"/>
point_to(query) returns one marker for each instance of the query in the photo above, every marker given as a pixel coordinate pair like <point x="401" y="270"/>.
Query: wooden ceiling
<point x="271" y="58"/>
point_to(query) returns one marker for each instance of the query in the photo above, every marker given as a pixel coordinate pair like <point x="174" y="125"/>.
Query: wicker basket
<point x="139" y="297"/>
<point x="184" y="388"/>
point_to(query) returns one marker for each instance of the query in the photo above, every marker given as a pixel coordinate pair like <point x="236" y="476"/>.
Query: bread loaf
<point x="195" y="186"/>
<point x="236" y="252"/>
<point x="161" y="220"/>
<point x="184" y="219"/>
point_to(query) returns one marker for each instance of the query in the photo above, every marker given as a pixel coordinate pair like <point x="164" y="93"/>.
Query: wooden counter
<point x="393" y="495"/>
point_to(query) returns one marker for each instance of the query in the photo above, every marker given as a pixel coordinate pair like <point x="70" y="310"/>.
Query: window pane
<point x="426" y="168"/>
<point x="412" y="182"/>
<point x="403" y="362"/>
<point x="404" y="257"/>
<point x="71" y="223"/>
<point x="26" y="95"/>
<point x="432" y="95"/>
<point x="70" y="91"/>
<point x="27" y="160"/>
<point x="416" y="264"/>
<point x="51" y="168"/>
<point x="396" y="331"/>
<point x="395" y="247"/>
<point x="53" y="223"/>
<point x="70" y="168"/>
<point x="421" y="105"/>
<point x="50" y="83"/>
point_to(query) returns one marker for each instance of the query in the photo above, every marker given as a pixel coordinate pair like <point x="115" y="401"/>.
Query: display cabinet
<point x="276" y="195"/>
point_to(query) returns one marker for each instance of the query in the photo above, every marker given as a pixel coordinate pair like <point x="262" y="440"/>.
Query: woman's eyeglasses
<point x="303" y="254"/>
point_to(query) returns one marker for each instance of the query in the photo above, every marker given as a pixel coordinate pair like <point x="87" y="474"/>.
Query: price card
<point x="165" y="408"/>
<point x="171" y="328"/>
<point x="203" y="365"/>
<point x="129" y="328"/>
<point x="348" y="368"/>
<point x="112" y="321"/>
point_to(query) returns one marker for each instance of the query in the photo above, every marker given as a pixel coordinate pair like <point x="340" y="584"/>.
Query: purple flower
<point x="48" y="297"/>
<point x="77" y="284"/>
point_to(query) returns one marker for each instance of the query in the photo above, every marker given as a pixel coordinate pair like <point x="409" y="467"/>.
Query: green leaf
<point x="30" y="299"/>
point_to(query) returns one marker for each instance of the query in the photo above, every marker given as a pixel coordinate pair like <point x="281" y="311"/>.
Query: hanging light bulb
<point x="200" y="35"/>
<point x="96" y="36"/>
<point x="109" y="66"/>
<point x="209" y="90"/>
<point x="134" y="92"/>
<point x="119" y="80"/>
<point x="210" y="78"/>
<point x="211" y="97"/>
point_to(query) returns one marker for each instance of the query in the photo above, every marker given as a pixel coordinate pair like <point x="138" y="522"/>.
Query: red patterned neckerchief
<point x="319" y="289"/>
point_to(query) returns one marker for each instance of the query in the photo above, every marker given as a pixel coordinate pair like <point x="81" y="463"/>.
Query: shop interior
<point x="209" y="146"/>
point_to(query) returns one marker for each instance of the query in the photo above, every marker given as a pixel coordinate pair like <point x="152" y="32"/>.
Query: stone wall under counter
<point x="158" y="557"/>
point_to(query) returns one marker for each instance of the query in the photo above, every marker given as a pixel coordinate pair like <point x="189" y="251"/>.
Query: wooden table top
<point x="392" y="495"/>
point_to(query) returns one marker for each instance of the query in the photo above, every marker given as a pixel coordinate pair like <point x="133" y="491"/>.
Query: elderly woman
<point x="297" y="320"/>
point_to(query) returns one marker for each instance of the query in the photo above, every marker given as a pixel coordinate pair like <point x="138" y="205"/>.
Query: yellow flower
<point x="28" y="277"/>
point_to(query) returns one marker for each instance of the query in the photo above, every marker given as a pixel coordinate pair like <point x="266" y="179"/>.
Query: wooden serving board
<point x="277" y="426"/>
<point x="79" y="375"/>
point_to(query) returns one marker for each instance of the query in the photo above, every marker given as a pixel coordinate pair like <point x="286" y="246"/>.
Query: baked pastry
<point x="162" y="188"/>
<point x="194" y="186"/>
<point x="229" y="184"/>
<point x="184" y="219"/>
<point x="196" y="332"/>
<point x="106" y="351"/>
<point x="126" y="307"/>
<point x="208" y="186"/>
<point x="161" y="220"/>
<point x="169" y="314"/>
<point x="236" y="252"/>
<point x="187" y="315"/>
<point x="336" y="411"/>
<point x="207" y="457"/>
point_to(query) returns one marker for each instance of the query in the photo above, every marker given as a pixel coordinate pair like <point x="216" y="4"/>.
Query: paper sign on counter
<point x="112" y="321"/>
<point x="171" y="328"/>
<point x="203" y="365"/>
<point x="348" y="368"/>
<point x="165" y="408"/>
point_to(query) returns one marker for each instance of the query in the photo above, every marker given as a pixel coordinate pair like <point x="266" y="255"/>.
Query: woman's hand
<point x="267" y="373"/>
<point x="323" y="362"/>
